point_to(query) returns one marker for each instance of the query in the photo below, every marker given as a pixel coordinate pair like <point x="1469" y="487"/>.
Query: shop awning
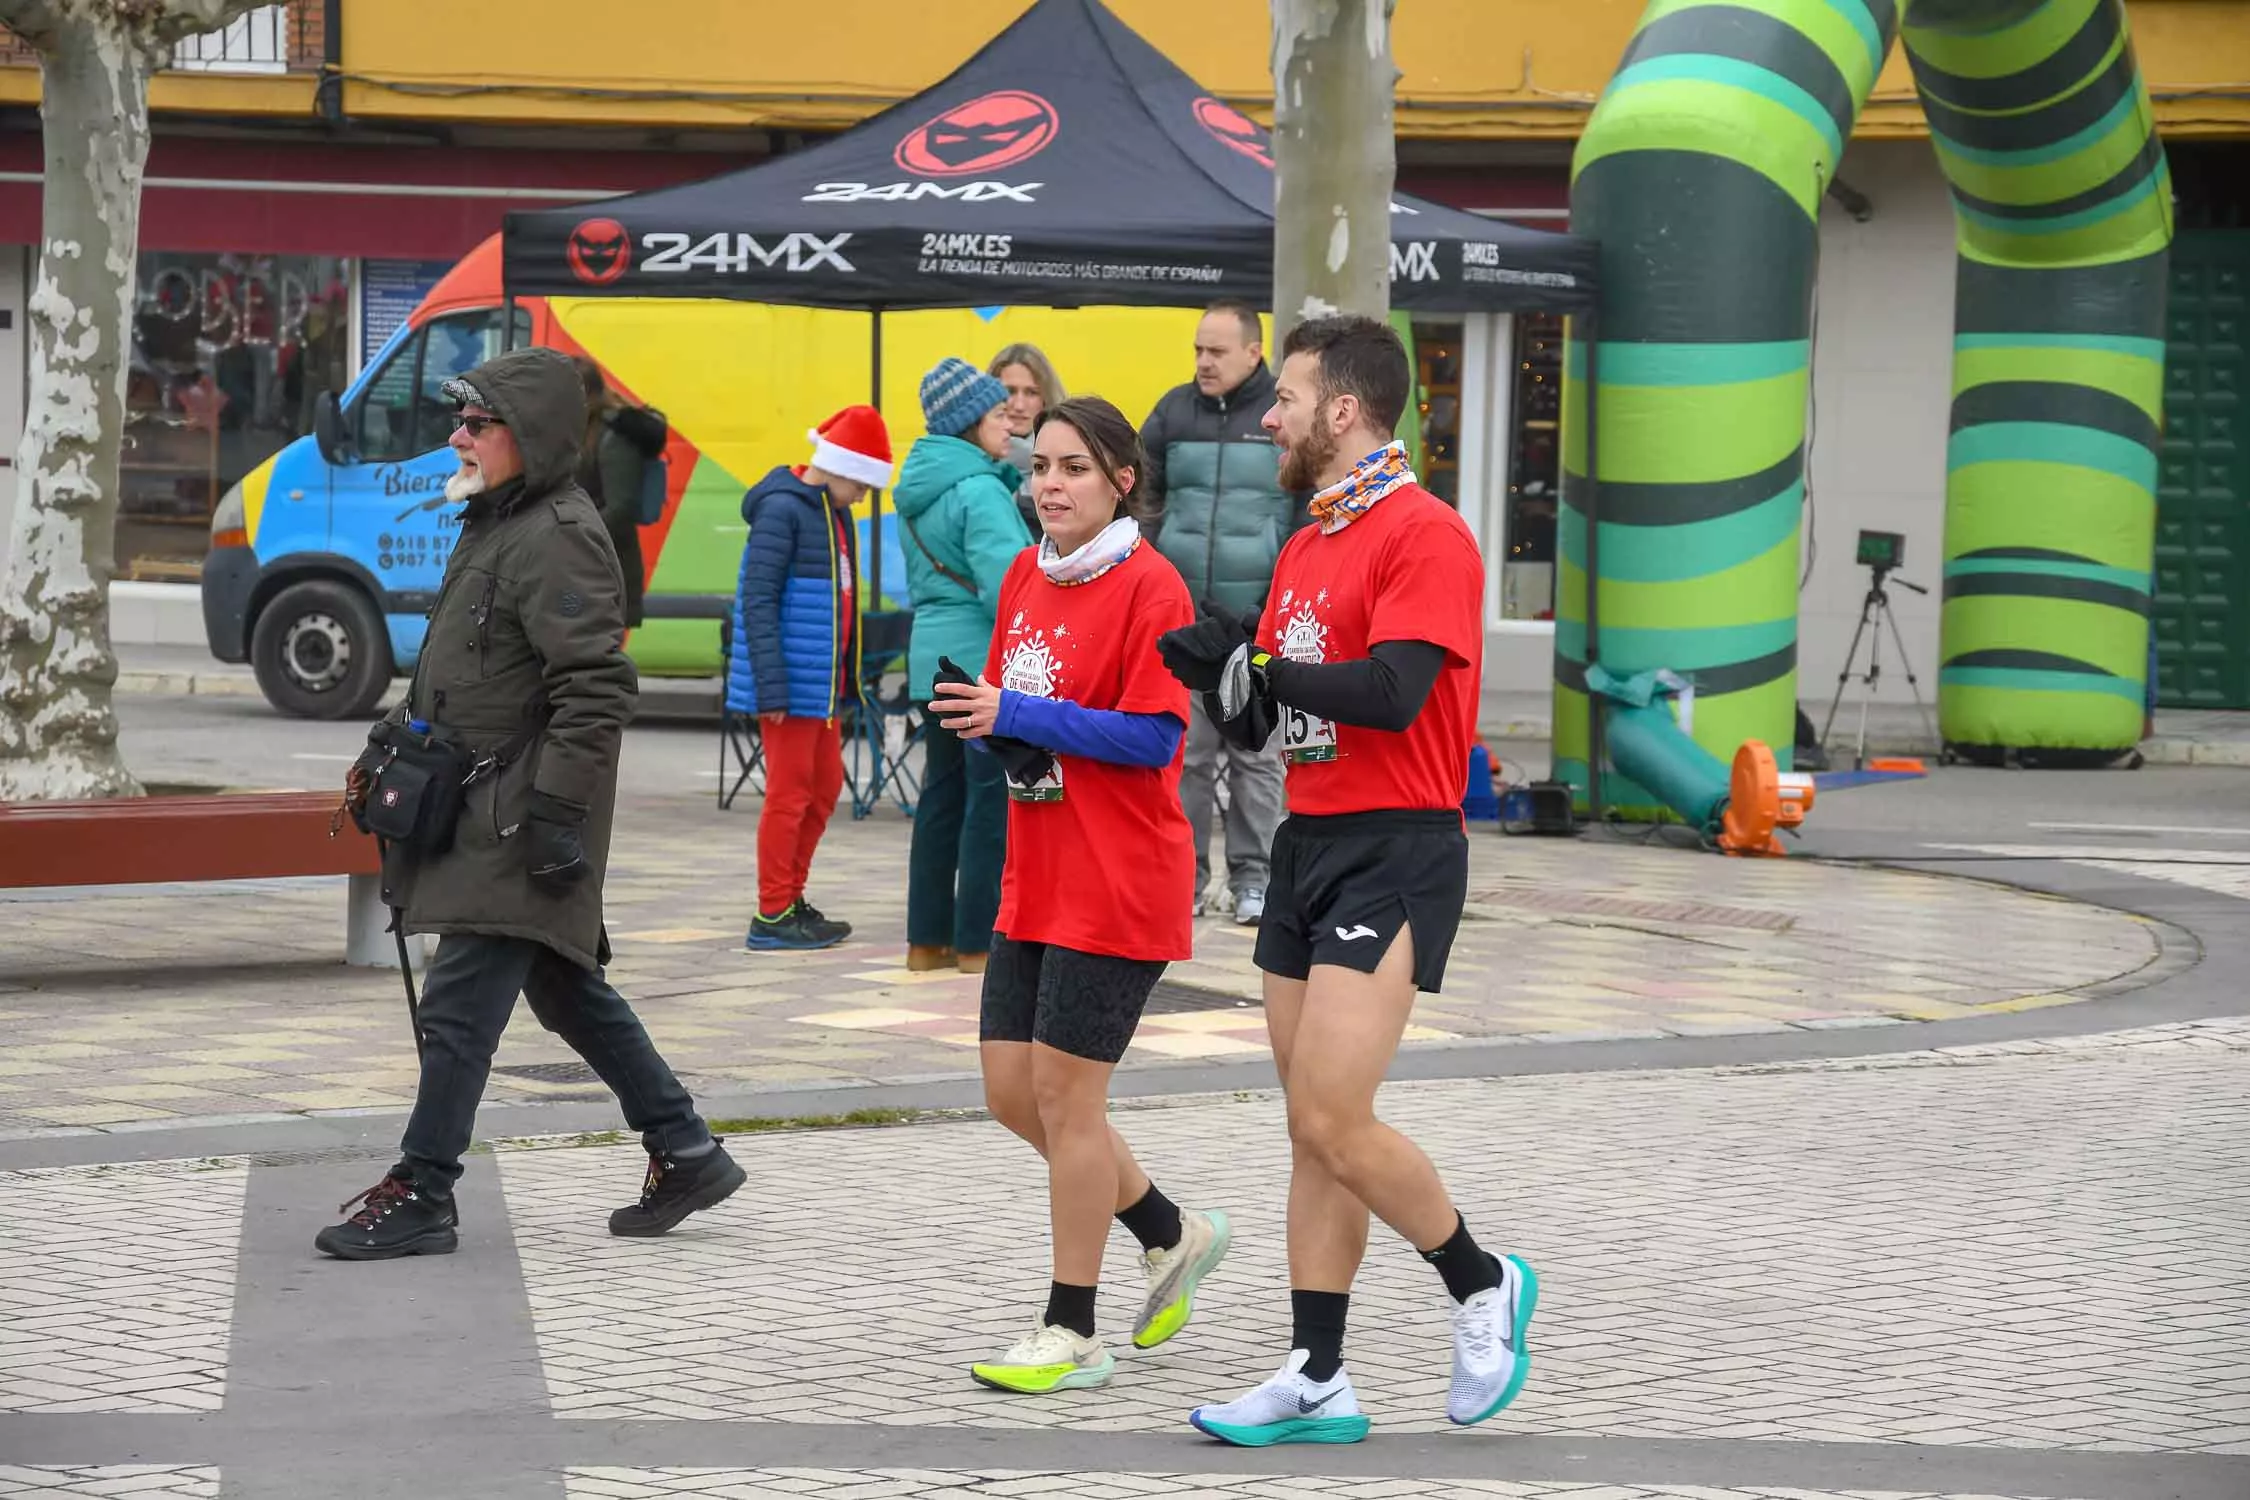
<point x="250" y="196"/>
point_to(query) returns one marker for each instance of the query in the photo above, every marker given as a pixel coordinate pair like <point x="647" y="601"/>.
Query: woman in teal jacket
<point x="956" y="502"/>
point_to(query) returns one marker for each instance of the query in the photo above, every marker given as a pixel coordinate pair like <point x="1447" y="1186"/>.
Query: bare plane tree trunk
<point x="58" y="731"/>
<point x="1335" y="161"/>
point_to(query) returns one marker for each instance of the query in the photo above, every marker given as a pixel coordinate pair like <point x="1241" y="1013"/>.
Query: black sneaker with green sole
<point x="793" y="931"/>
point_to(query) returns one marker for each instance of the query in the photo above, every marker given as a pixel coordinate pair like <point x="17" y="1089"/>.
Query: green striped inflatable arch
<point x="1701" y="174"/>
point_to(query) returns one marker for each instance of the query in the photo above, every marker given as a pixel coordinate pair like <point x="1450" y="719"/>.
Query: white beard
<point x="464" y="484"/>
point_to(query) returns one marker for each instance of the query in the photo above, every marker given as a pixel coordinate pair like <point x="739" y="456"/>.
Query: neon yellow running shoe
<point x="1174" y="1274"/>
<point x="1052" y="1359"/>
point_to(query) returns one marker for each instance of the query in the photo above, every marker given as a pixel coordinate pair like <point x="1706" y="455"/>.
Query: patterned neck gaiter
<point x="1355" y="494"/>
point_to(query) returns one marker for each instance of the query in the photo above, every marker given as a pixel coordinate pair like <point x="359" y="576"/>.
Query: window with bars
<point x="256" y="41"/>
<point x="270" y="39"/>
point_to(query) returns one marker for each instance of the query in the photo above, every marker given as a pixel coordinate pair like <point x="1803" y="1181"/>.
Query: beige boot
<point x="921" y="958"/>
<point x="972" y="963"/>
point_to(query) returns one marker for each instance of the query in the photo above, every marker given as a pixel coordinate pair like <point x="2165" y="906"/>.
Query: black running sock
<point x="1467" y="1269"/>
<point x="1071" y="1307"/>
<point x="1317" y="1327"/>
<point x="1153" y="1219"/>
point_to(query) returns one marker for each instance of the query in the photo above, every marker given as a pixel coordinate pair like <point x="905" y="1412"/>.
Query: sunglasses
<point x="475" y="426"/>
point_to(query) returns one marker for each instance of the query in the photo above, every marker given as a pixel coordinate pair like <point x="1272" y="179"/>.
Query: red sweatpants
<point x="804" y="775"/>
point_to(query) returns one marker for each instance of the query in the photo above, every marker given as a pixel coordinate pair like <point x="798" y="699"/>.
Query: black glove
<point x="553" y="850"/>
<point x="1197" y="654"/>
<point x="1024" y="762"/>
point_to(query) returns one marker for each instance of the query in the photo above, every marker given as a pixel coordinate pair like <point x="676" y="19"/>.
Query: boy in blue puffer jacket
<point x="795" y="657"/>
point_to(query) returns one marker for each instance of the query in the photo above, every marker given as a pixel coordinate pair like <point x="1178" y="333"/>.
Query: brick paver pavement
<point x="76" y="1335"/>
<point x="1986" y="1249"/>
<point x="2033" y="1252"/>
<point x="148" y="1005"/>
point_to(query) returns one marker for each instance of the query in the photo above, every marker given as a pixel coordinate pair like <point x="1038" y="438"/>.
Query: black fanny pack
<point x="419" y="789"/>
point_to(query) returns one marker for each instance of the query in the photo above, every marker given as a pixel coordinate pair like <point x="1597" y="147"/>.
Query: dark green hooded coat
<point x="527" y="638"/>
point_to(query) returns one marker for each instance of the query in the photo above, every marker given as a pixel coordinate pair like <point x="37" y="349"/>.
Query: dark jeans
<point x="960" y="843"/>
<point x="470" y="993"/>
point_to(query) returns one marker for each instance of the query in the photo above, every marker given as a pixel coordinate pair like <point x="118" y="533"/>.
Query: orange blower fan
<point x="1762" y="800"/>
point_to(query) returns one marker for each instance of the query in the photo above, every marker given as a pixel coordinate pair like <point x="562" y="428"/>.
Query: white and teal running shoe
<point x="1490" y="1358"/>
<point x="1174" y="1274"/>
<point x="1287" y="1409"/>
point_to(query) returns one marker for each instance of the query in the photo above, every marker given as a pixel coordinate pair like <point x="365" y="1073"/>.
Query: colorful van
<point x="325" y="560"/>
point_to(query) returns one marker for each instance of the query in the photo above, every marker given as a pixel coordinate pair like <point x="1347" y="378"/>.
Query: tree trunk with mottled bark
<point x="58" y="730"/>
<point x="1334" y="159"/>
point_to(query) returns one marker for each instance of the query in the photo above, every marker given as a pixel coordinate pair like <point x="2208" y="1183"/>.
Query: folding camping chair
<point x="742" y="749"/>
<point x="884" y="725"/>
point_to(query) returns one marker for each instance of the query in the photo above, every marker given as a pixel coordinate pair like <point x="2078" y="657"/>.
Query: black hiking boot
<point x="674" y="1189"/>
<point x="395" y="1218"/>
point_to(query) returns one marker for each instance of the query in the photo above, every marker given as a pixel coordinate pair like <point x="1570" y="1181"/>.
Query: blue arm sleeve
<point x="1095" y="733"/>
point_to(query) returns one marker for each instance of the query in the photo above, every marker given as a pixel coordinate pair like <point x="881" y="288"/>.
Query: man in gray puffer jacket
<point x="1216" y="509"/>
<point x="523" y="666"/>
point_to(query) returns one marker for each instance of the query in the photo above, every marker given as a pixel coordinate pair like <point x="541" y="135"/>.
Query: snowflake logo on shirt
<point x="1031" y="667"/>
<point x="1303" y="637"/>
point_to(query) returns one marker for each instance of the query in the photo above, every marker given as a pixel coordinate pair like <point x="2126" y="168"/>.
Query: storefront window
<point x="230" y="353"/>
<point x="1527" y="573"/>
<point x="1437" y="358"/>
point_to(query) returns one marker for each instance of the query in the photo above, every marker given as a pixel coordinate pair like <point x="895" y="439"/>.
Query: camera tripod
<point x="1874" y="613"/>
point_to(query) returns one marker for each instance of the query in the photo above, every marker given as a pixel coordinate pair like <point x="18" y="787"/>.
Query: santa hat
<point x="854" y="444"/>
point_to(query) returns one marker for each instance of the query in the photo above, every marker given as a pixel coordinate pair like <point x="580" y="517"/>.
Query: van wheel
<point x="321" y="652"/>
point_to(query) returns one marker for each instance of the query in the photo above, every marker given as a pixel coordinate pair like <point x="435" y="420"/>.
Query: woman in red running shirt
<point x="1094" y="896"/>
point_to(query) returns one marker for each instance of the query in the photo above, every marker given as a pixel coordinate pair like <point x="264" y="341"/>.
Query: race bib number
<point x="1307" y="739"/>
<point x="1048" y="788"/>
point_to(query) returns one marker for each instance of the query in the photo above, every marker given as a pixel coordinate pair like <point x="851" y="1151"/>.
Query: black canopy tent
<point x="1068" y="163"/>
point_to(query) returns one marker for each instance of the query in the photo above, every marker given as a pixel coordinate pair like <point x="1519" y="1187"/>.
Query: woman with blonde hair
<point x="1029" y="378"/>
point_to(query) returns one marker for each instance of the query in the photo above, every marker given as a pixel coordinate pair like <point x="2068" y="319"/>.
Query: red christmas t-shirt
<point x="1406" y="570"/>
<point x="1110" y="867"/>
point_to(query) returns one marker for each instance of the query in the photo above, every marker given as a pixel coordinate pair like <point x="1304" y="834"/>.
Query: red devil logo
<point x="983" y="135"/>
<point x="1234" y="130"/>
<point x="600" y="250"/>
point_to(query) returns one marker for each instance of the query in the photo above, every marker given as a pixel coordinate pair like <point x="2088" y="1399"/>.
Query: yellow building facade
<point x="1471" y="70"/>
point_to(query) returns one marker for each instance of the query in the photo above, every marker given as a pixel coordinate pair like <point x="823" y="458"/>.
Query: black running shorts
<point x="1086" y="1004"/>
<point x="1343" y="886"/>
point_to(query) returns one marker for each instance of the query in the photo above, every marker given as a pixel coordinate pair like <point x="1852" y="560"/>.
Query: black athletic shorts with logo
<point x="1343" y="886"/>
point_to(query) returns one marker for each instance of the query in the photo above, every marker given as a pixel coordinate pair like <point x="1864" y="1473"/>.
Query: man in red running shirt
<point x="1367" y="658"/>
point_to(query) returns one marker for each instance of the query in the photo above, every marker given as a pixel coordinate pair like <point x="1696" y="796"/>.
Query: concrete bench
<point x="251" y="836"/>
